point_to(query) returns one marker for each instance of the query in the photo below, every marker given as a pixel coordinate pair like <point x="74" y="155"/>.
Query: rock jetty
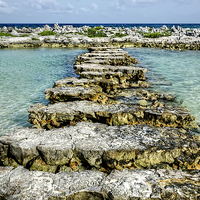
<point x="68" y="36"/>
<point x="87" y="144"/>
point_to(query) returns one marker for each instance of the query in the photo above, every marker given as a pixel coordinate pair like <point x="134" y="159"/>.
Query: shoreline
<point x="73" y="37"/>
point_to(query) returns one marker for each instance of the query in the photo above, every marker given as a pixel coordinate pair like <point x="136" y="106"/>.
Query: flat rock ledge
<point x="63" y="113"/>
<point x="95" y="146"/>
<point x="63" y="94"/>
<point x="113" y="59"/>
<point x="108" y="85"/>
<point x="134" y="184"/>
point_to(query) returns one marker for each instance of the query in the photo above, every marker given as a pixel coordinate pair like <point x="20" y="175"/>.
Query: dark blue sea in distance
<point x="20" y="25"/>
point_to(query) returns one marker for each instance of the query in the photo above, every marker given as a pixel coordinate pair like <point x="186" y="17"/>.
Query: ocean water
<point x="191" y="26"/>
<point x="26" y="73"/>
<point x="175" y="72"/>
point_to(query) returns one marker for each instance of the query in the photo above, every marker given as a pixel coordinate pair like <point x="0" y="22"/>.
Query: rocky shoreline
<point x="87" y="144"/>
<point x="83" y="37"/>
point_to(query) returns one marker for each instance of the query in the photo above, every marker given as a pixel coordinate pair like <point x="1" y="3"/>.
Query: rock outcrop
<point x="68" y="36"/>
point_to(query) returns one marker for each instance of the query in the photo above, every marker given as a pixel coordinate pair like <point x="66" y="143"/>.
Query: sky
<point x="100" y="11"/>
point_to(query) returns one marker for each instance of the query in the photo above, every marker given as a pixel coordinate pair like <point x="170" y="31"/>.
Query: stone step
<point x="92" y="93"/>
<point x="116" y="61"/>
<point x="104" y="68"/>
<point x="106" y="53"/>
<point x="117" y="78"/>
<point x="138" y="184"/>
<point x="95" y="146"/>
<point x="91" y="49"/>
<point x="73" y="81"/>
<point x="107" y="85"/>
<point x="63" y="113"/>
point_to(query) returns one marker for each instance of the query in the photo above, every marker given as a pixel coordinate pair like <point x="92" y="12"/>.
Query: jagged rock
<point x="47" y="28"/>
<point x="61" y="114"/>
<point x="14" y="32"/>
<point x="101" y="147"/>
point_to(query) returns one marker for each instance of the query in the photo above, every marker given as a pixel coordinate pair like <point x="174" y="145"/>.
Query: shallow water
<point x="26" y="73"/>
<point x="180" y="68"/>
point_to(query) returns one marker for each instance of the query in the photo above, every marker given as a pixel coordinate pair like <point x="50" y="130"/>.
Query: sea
<point x="183" y="25"/>
<point x="26" y="73"/>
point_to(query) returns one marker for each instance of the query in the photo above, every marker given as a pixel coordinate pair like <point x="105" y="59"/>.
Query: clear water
<point x="180" y="68"/>
<point x="24" y="75"/>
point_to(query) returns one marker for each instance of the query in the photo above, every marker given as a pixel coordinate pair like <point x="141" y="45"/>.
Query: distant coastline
<point x="125" y="25"/>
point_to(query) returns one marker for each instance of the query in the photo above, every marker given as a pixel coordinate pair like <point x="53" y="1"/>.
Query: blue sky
<point x="100" y="11"/>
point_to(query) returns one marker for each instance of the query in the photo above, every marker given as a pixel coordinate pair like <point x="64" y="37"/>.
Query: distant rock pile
<point x="69" y="36"/>
<point x="88" y="145"/>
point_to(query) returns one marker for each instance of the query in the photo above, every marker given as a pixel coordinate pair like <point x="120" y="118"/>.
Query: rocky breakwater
<point x="99" y="148"/>
<point x="68" y="36"/>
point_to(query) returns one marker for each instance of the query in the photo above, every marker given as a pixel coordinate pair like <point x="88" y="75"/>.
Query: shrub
<point x="34" y="38"/>
<point x="152" y="35"/>
<point x="120" y="34"/>
<point x="24" y="35"/>
<point x="78" y="33"/>
<point x="6" y="34"/>
<point x="158" y="34"/>
<point x="43" y="33"/>
<point x="92" y="32"/>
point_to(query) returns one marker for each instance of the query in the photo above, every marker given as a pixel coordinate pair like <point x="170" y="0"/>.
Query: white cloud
<point x="50" y="6"/>
<point x="94" y="6"/>
<point x="85" y="9"/>
<point x="6" y="8"/>
<point x="123" y="4"/>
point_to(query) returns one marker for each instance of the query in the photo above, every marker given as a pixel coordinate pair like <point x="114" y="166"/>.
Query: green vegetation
<point x="120" y="34"/>
<point x="158" y="34"/>
<point x="34" y="38"/>
<point x="97" y="28"/>
<point x="78" y="33"/>
<point x="111" y="32"/>
<point x="6" y="34"/>
<point x="24" y="35"/>
<point x="43" y="33"/>
<point x="92" y="32"/>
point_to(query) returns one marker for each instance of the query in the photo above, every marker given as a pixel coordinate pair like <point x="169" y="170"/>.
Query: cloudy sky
<point x="100" y="11"/>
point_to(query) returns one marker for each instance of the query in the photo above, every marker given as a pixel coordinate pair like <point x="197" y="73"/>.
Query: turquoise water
<point x="26" y="73"/>
<point x="177" y="72"/>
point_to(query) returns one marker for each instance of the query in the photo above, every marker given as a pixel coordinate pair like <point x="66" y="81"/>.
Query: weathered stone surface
<point x="63" y="113"/>
<point x="105" y="48"/>
<point x="105" y="68"/>
<point x="105" y="53"/>
<point x="20" y="183"/>
<point x="101" y="147"/>
<point x="108" y="85"/>
<point x="93" y="93"/>
<point x="114" y="60"/>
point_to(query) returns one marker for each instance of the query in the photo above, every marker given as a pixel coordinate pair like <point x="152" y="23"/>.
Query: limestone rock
<point x="61" y="114"/>
<point x="101" y="147"/>
<point x="119" y="185"/>
<point x="60" y="94"/>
